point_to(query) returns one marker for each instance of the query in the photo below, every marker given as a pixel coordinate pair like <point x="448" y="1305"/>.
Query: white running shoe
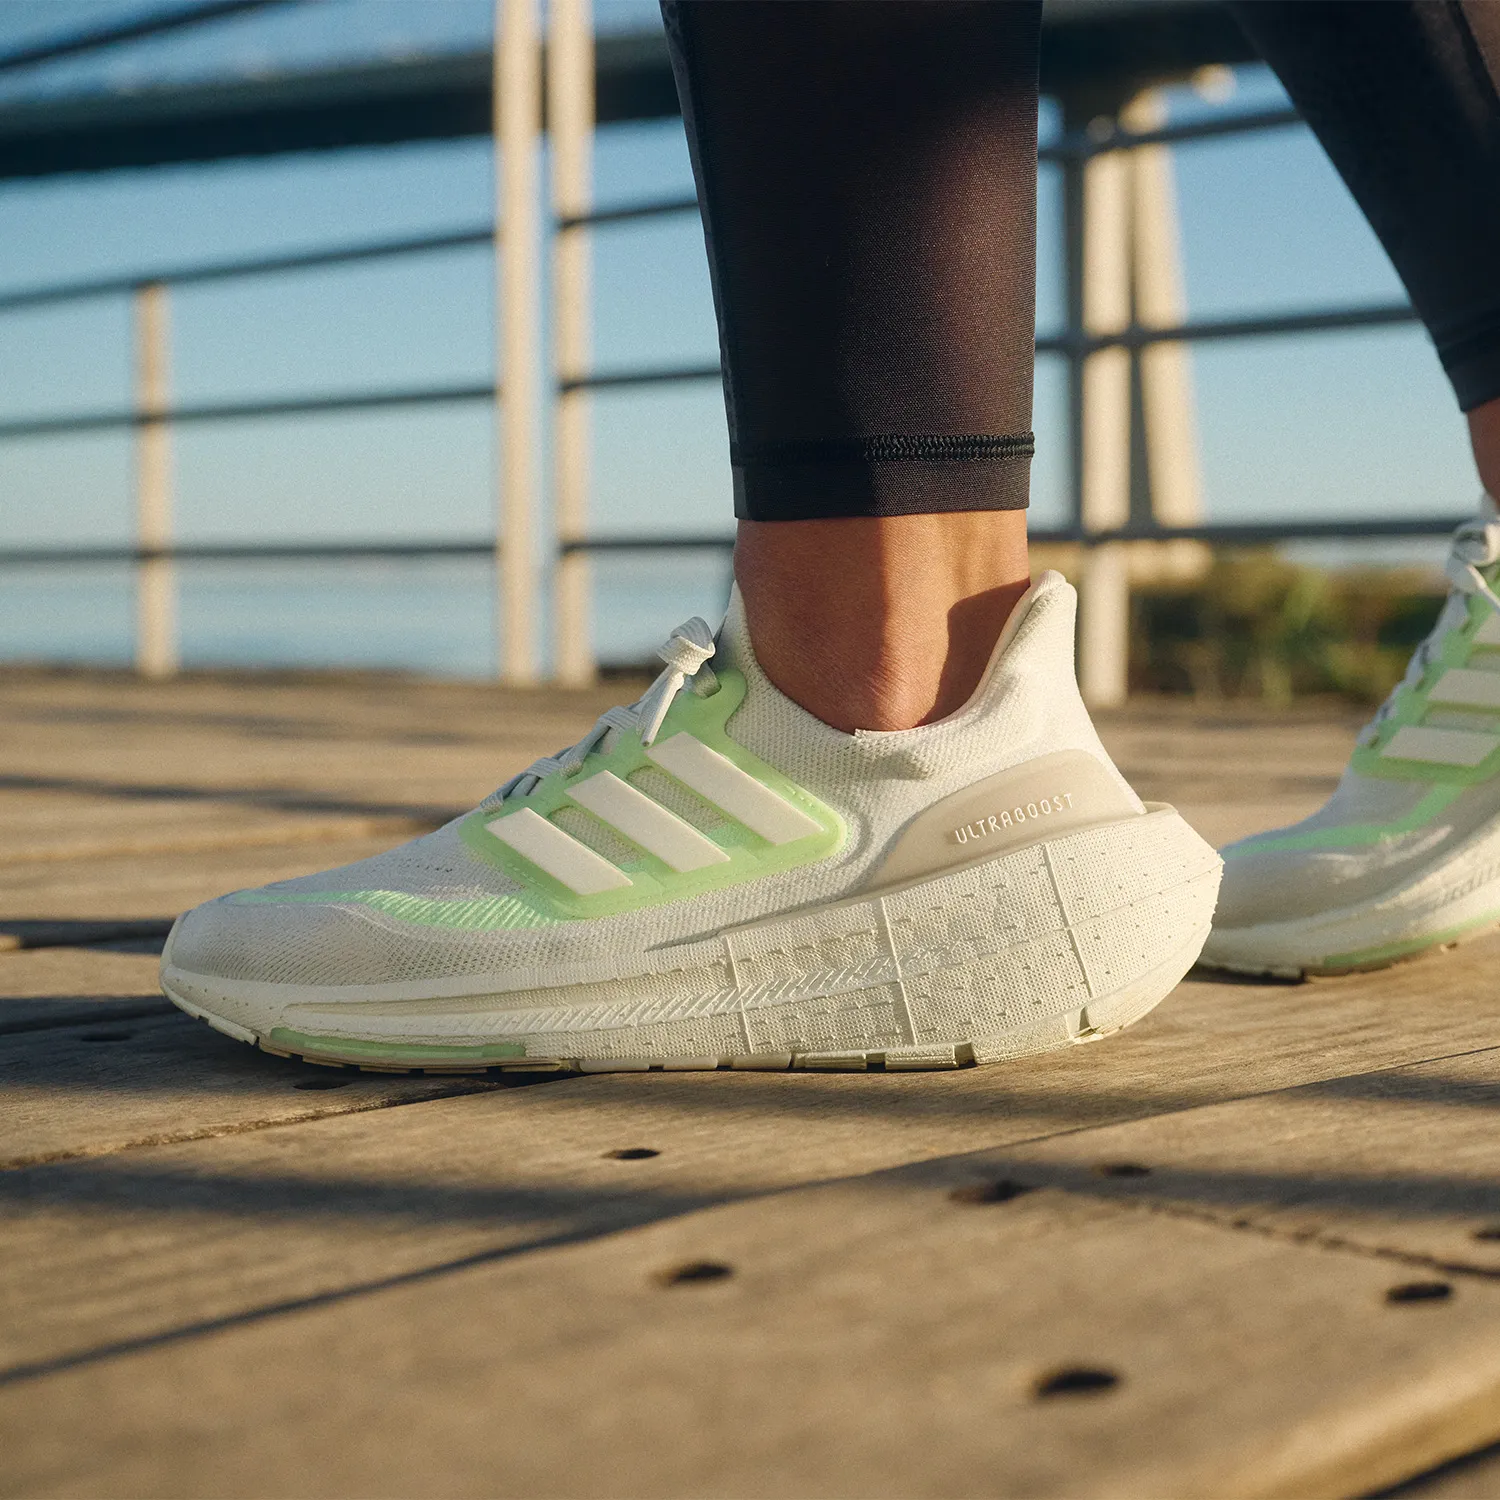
<point x="713" y="878"/>
<point x="1405" y="856"/>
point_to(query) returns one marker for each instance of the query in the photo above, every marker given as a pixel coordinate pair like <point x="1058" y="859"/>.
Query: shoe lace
<point x="686" y="653"/>
<point x="1475" y="545"/>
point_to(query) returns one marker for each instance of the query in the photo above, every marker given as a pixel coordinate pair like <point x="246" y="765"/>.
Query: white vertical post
<point x="155" y="582"/>
<point x="1160" y="302"/>
<point x="570" y="129"/>
<point x="517" y="118"/>
<point x="1104" y="627"/>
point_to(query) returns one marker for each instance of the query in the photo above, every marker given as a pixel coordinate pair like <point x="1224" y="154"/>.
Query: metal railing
<point x="1085" y="342"/>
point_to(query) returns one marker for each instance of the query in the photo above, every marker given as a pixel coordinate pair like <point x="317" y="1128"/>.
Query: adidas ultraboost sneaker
<point x="713" y="878"/>
<point x="1405" y="855"/>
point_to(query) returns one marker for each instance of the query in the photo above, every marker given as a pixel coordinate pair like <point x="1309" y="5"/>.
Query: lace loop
<point x="1475" y="545"/>
<point x="686" y="652"/>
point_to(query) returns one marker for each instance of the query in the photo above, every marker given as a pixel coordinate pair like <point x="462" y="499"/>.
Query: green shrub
<point x="1259" y="627"/>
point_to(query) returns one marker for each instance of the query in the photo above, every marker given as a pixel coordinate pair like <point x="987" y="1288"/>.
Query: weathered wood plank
<point x="71" y="1091"/>
<point x="1475" y="1476"/>
<point x="105" y="820"/>
<point x="1401" y="1163"/>
<point x="158" y="885"/>
<point x="871" y="1338"/>
<point x="16" y="935"/>
<point x="41" y="987"/>
<point x="355" y="1200"/>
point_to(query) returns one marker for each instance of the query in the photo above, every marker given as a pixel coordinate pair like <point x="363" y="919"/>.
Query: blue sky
<point x="1288" y="426"/>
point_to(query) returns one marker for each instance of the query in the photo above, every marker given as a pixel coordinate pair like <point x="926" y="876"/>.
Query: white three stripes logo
<point x="650" y="825"/>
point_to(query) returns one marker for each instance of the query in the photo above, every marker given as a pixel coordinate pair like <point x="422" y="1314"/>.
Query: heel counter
<point x="1037" y="800"/>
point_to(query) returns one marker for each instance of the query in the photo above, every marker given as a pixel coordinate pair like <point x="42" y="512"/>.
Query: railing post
<point x="1104" y="435"/>
<point x="1072" y="206"/>
<point x="517" y="117"/>
<point x="1169" y="428"/>
<point x="156" y="652"/>
<point x="570" y="128"/>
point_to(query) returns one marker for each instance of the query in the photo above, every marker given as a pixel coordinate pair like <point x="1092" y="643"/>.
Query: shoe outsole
<point x="1331" y="965"/>
<point x="1060" y="943"/>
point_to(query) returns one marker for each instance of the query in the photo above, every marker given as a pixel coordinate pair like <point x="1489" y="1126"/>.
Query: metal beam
<point x="1088" y="49"/>
<point x="152" y="23"/>
<point x="369" y="104"/>
<point x="1223" y="534"/>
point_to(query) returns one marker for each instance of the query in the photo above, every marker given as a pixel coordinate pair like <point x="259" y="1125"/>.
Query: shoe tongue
<point x="1455" y="612"/>
<point x="732" y="649"/>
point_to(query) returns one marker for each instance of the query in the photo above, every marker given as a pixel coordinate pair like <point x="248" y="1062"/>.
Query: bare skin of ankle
<point x="880" y="623"/>
<point x="1484" y="434"/>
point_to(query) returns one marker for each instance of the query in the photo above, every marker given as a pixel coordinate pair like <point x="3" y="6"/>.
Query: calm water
<point x="430" y="617"/>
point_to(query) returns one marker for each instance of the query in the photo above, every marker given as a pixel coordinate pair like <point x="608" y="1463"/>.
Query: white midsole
<point x="996" y="948"/>
<point x="1460" y="892"/>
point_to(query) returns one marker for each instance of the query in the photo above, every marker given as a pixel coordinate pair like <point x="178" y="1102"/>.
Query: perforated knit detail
<point x="676" y="798"/>
<point x="437" y="866"/>
<point x="597" y="834"/>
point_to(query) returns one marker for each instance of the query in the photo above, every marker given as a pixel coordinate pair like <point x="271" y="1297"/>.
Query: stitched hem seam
<point x="889" y="448"/>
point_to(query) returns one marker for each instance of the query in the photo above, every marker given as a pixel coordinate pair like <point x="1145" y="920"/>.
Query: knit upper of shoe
<point x="1422" y="781"/>
<point x="460" y="902"/>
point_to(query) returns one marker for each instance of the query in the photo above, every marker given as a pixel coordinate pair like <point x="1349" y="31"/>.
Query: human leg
<point x="867" y="174"/>
<point x="1402" y="94"/>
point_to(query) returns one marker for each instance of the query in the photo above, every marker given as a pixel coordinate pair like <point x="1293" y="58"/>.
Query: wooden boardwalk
<point x="1252" y="1248"/>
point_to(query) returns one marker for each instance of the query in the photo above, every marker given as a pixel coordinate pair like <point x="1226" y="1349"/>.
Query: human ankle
<point x="880" y="623"/>
<point x="1484" y="435"/>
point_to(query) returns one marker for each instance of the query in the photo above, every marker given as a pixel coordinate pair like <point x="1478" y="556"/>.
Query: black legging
<point x="867" y="175"/>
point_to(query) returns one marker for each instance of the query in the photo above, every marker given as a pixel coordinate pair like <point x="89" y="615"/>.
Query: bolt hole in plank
<point x="1419" y="1291"/>
<point x="1076" y="1380"/>
<point x="323" y="1083"/>
<point x="105" y="1036"/>
<point x="998" y="1190"/>
<point x="1122" y="1169"/>
<point x="694" y="1271"/>
<point x="631" y="1153"/>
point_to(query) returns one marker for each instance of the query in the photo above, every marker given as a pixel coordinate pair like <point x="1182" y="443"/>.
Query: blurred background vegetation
<point x="1258" y="626"/>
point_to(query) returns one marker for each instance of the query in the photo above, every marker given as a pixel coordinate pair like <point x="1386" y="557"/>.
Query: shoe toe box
<point x="308" y="944"/>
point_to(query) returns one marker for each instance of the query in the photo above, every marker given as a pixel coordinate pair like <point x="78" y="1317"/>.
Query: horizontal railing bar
<point x="245" y="552"/>
<point x="304" y="260"/>
<point x="1206" y="329"/>
<point x="703" y="542"/>
<point x="224" y="411"/>
<point x="72" y="44"/>
<point x="339" y="551"/>
<point x="629" y="211"/>
<point x="1133" y="338"/>
<point x="76" y="291"/>
<point x="607" y="380"/>
<point x="1223" y="533"/>
<point x="1075" y="147"/>
<point x="1258" y="533"/>
<point x="1080" y="145"/>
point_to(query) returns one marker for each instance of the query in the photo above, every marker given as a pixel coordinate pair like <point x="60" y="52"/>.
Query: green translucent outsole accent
<point x="412" y="1054"/>
<point x="492" y="914"/>
<point x="653" y="881"/>
<point x="1411" y="706"/>
<point x="1390" y="952"/>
